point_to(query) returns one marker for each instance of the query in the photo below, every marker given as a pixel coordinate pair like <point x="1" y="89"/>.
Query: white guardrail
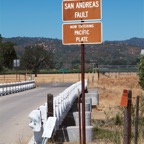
<point x="43" y="127"/>
<point x="14" y="87"/>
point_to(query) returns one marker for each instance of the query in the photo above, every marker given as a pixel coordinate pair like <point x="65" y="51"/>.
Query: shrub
<point x="141" y="72"/>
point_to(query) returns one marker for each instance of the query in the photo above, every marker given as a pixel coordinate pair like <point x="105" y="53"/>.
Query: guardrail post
<point x="49" y="105"/>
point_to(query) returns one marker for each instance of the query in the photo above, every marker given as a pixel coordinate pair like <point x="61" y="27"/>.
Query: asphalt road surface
<point x="15" y="108"/>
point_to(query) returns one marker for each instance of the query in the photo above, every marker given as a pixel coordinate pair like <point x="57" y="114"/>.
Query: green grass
<point x="107" y="135"/>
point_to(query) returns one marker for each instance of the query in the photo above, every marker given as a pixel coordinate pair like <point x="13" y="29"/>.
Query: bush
<point x="118" y="119"/>
<point x="141" y="72"/>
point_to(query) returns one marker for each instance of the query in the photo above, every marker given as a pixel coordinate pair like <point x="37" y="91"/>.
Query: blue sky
<point x="121" y="19"/>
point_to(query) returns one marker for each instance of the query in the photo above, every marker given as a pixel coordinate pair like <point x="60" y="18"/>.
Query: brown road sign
<point x="73" y="10"/>
<point x="82" y="33"/>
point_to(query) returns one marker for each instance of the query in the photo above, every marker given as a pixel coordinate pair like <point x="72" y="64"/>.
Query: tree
<point x="36" y="57"/>
<point x="0" y="39"/>
<point x="7" y="54"/>
<point x="141" y="72"/>
<point x="1" y="58"/>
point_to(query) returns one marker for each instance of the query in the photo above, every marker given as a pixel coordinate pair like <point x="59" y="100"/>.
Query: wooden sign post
<point x="82" y="33"/>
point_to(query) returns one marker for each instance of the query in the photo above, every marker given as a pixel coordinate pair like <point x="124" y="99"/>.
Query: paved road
<point x="14" y="110"/>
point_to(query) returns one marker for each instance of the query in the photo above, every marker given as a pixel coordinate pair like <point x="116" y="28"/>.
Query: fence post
<point x="127" y="120"/>
<point x="136" y="120"/>
<point x="49" y="105"/>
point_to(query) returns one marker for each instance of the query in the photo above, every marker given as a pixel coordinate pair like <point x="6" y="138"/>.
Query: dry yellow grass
<point x="50" y="78"/>
<point x="11" y="78"/>
<point x="45" y="78"/>
<point x="111" y="86"/>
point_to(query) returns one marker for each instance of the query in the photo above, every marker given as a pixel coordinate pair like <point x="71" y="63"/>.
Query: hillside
<point x="133" y="41"/>
<point x="109" y="52"/>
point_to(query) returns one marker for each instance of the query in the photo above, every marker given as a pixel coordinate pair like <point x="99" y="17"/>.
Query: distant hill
<point x="109" y="52"/>
<point x="133" y="41"/>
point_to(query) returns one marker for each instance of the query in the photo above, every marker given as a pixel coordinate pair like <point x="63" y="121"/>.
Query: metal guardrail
<point x="61" y="105"/>
<point x="9" y="88"/>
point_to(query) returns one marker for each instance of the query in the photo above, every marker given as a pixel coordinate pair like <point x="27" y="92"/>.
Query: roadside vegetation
<point x="110" y="130"/>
